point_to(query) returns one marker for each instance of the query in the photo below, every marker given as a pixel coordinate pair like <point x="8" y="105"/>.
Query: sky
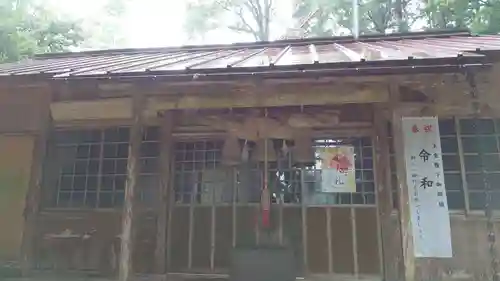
<point x="157" y="23"/>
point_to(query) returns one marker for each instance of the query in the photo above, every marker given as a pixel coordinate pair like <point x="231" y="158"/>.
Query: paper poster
<point x="426" y="188"/>
<point x="337" y="169"/>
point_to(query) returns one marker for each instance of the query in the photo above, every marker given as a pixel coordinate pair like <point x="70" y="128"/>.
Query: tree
<point x="382" y="16"/>
<point x="103" y="29"/>
<point x="251" y="17"/>
<point x="481" y="16"/>
<point x="335" y="16"/>
<point x="26" y="29"/>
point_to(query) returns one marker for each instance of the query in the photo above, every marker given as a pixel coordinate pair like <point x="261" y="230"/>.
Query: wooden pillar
<point x="34" y="192"/>
<point x="165" y="192"/>
<point x="390" y="258"/>
<point x="32" y="205"/>
<point x="128" y="215"/>
<point x="403" y="197"/>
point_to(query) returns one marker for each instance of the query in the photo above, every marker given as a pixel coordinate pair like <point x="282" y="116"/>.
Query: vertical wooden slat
<point x="223" y="242"/>
<point x="462" y="165"/>
<point x="165" y="193"/>
<point x="245" y="226"/>
<point x="354" y="242"/>
<point x="329" y="238"/>
<point x="191" y="229"/>
<point x="170" y="208"/>
<point x="342" y="236"/>
<point x="292" y="224"/>
<point x="201" y="244"/>
<point x="367" y="242"/>
<point x="317" y="240"/>
<point x="303" y="201"/>
<point x="402" y="190"/>
<point x="125" y="268"/>
<point x="280" y="223"/>
<point x="178" y="237"/>
<point x="213" y="221"/>
<point x="101" y="167"/>
<point x="388" y="259"/>
<point x="233" y="205"/>
<point x="257" y="226"/>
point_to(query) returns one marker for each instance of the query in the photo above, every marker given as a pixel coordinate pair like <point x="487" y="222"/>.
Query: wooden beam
<point x="165" y="192"/>
<point x="402" y="189"/>
<point x="391" y="263"/>
<point x="335" y="94"/>
<point x="128" y="215"/>
<point x="114" y="108"/>
<point x="296" y="95"/>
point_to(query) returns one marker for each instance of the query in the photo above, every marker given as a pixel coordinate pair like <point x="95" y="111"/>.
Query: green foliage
<point x="335" y="16"/>
<point x="26" y="29"/>
<point x="381" y="16"/>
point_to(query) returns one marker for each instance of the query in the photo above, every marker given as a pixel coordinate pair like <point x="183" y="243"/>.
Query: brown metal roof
<point x="337" y="55"/>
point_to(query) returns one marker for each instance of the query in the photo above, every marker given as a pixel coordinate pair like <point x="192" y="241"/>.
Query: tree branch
<point x="251" y="30"/>
<point x="256" y="9"/>
<point x="374" y="21"/>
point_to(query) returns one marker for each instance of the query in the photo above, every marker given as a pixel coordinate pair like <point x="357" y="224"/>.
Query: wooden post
<point x="165" y="179"/>
<point x="32" y="205"/>
<point x="403" y="196"/>
<point x="390" y="259"/>
<point x="128" y="215"/>
<point x="34" y="193"/>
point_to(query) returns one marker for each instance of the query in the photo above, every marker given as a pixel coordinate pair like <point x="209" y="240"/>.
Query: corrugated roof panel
<point x="264" y="58"/>
<point x="471" y="43"/>
<point x="72" y="65"/>
<point x="226" y="61"/>
<point x="191" y="61"/>
<point x="184" y="61"/>
<point x="412" y="52"/>
<point x="112" y="67"/>
<point x="218" y="60"/>
<point x="170" y="59"/>
<point x="297" y="55"/>
<point x="245" y="59"/>
<point x="100" y="67"/>
<point x="303" y="53"/>
<point x="329" y="54"/>
<point x="375" y="52"/>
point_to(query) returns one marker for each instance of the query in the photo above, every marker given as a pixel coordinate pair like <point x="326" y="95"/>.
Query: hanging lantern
<point x="303" y="151"/>
<point x="284" y="148"/>
<point x="231" y="151"/>
<point x="259" y="152"/>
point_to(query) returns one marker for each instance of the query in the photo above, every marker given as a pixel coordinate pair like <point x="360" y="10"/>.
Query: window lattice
<point x="91" y="166"/>
<point x="201" y="179"/>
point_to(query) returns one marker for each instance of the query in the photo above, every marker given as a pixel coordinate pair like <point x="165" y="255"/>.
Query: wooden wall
<point x="15" y="166"/>
<point x="471" y="260"/>
<point x="90" y="241"/>
<point x="23" y="111"/>
<point x="23" y="115"/>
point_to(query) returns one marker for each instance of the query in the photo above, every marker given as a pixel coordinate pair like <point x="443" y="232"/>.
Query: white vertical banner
<point x="427" y="194"/>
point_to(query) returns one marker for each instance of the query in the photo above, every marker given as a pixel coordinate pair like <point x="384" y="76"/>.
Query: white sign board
<point x="338" y="169"/>
<point x="425" y="177"/>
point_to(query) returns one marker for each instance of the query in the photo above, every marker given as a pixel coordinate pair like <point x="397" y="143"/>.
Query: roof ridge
<point x="261" y="44"/>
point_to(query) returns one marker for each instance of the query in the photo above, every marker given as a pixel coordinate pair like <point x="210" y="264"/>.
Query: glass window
<point x="91" y="166"/>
